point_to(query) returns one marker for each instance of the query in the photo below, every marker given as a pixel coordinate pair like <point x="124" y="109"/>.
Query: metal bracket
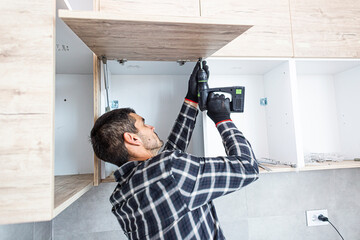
<point x="106" y="81"/>
<point x="122" y="61"/>
<point x="182" y="62"/>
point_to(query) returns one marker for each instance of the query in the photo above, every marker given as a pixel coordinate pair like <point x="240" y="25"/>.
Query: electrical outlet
<point x="312" y="217"/>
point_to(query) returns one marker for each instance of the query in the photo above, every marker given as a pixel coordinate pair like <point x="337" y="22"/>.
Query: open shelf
<point x="328" y="107"/>
<point x="269" y="127"/>
<point x="69" y="188"/>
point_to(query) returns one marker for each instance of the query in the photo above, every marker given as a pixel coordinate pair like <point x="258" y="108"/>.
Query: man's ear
<point x="132" y="138"/>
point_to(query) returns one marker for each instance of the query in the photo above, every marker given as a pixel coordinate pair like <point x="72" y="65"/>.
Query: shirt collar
<point x="124" y="171"/>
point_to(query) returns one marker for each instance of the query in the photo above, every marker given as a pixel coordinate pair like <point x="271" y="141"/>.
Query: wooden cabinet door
<point x="152" y="7"/>
<point x="326" y="28"/>
<point x="26" y="110"/>
<point x="269" y="37"/>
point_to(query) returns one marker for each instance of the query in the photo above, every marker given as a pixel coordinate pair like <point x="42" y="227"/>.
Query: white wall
<point x="73" y="122"/>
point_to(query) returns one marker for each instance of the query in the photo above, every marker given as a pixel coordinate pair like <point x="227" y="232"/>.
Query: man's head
<point x="121" y="135"/>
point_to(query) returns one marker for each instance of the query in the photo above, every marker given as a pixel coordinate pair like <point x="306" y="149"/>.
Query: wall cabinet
<point x="29" y="190"/>
<point x="326" y="28"/>
<point x="151" y="7"/>
<point x="271" y="34"/>
<point x="282" y="130"/>
<point x="310" y="113"/>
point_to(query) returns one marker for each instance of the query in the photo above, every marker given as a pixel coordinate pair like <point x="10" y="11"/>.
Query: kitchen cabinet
<point x="269" y="37"/>
<point x="326" y="29"/>
<point x="189" y="8"/>
<point x="310" y="116"/>
<point x="29" y="191"/>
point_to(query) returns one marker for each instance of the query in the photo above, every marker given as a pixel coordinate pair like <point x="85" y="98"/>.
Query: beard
<point x="153" y="143"/>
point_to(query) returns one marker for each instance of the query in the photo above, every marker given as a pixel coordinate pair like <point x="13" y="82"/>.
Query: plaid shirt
<point x="170" y="195"/>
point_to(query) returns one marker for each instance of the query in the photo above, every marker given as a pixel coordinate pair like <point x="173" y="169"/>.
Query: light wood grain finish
<point x="151" y="38"/>
<point x="70" y="188"/>
<point x="326" y="28"/>
<point x="97" y="79"/>
<point x="26" y="110"/>
<point x="269" y="37"/>
<point x="152" y="7"/>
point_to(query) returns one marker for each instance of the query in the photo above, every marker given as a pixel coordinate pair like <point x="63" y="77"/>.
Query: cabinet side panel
<point x="347" y="87"/>
<point x="26" y="110"/>
<point x="279" y="114"/>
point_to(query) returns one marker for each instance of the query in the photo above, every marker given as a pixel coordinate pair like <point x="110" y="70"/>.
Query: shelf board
<point x="151" y="38"/>
<point x="315" y="166"/>
<point x="69" y="188"/>
<point x="331" y="165"/>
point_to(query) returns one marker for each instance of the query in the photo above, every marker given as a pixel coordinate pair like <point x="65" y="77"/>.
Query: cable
<point x="325" y="219"/>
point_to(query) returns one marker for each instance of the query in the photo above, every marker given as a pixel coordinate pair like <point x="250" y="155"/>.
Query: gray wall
<point x="26" y="231"/>
<point x="271" y="208"/>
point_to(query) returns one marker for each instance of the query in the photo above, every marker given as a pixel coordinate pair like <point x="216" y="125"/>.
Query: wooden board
<point x="152" y="7"/>
<point x="326" y="28"/>
<point x="151" y="38"/>
<point x="70" y="188"/>
<point x="313" y="166"/>
<point x="97" y="111"/>
<point x="271" y="34"/>
<point x="27" y="110"/>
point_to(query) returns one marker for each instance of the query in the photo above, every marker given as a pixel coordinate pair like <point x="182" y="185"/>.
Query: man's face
<point x="147" y="134"/>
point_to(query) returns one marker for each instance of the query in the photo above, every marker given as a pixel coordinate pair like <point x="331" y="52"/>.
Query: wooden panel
<point x="70" y="188"/>
<point x="152" y="7"/>
<point x="151" y="38"/>
<point x="271" y="34"/>
<point x="326" y="28"/>
<point x="97" y="98"/>
<point x="26" y="110"/>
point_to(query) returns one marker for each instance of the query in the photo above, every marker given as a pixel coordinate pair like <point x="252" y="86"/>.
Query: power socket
<point x="312" y="217"/>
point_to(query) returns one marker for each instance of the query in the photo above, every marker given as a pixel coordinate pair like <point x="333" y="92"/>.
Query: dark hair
<point x="107" y="135"/>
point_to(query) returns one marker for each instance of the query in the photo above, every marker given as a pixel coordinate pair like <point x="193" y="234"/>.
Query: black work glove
<point x="218" y="108"/>
<point x="192" y="93"/>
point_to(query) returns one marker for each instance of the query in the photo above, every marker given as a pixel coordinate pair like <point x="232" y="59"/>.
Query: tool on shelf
<point x="275" y="162"/>
<point x="237" y="92"/>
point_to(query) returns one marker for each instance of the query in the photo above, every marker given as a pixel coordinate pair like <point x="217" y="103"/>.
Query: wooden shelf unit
<point x="69" y="188"/>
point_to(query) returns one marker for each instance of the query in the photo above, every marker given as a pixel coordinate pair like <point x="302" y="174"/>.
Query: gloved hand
<point x="192" y="93"/>
<point x="218" y="108"/>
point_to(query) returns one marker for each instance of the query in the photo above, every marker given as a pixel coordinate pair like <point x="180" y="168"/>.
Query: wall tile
<point x="109" y="235"/>
<point x="23" y="231"/>
<point x="90" y="214"/>
<point x="43" y="230"/>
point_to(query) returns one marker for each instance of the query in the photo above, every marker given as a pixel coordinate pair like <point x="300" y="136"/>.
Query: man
<point x="168" y="195"/>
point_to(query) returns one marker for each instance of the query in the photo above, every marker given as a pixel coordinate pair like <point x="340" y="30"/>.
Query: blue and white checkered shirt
<point x="170" y="195"/>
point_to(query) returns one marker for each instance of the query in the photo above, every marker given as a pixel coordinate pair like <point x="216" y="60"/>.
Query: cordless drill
<point x="237" y="92"/>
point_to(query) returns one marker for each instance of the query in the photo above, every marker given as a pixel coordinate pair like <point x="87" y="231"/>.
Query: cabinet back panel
<point x="73" y="122"/>
<point x="318" y="114"/>
<point x="252" y="123"/>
